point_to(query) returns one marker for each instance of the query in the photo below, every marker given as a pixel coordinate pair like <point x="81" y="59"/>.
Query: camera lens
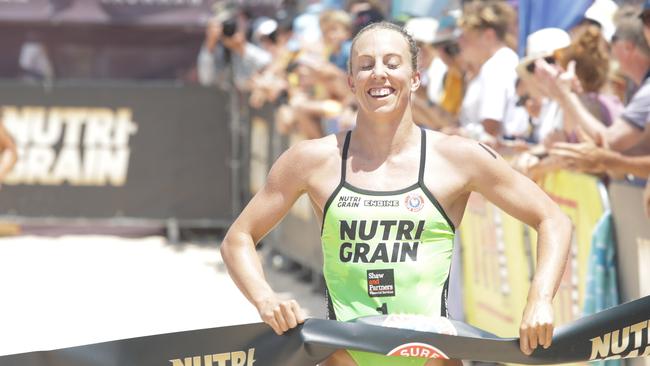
<point x="229" y="27"/>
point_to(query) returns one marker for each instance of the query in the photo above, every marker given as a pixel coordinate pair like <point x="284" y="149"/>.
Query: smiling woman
<point x="382" y="71"/>
<point x="390" y="196"/>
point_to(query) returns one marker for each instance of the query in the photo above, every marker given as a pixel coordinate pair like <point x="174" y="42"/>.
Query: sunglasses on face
<point x="522" y="100"/>
<point x="531" y="66"/>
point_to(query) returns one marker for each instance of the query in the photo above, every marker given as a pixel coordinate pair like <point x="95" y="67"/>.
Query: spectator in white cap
<point x="542" y="117"/>
<point x="601" y="13"/>
<point x="543" y="43"/>
<point x="605" y="147"/>
<point x="264" y="33"/>
<point x="423" y="31"/>
<point x="633" y="53"/>
<point x="430" y="67"/>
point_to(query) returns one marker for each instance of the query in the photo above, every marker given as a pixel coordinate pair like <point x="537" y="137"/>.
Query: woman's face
<point x="382" y="77"/>
<point x="472" y="44"/>
<point x="334" y="34"/>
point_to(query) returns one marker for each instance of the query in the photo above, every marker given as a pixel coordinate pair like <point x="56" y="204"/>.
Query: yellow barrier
<point x="499" y="255"/>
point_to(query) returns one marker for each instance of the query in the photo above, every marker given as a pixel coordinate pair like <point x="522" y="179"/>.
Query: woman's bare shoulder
<point x="465" y="153"/>
<point x="309" y="155"/>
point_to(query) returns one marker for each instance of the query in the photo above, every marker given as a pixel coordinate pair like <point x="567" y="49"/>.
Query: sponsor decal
<point x="368" y="230"/>
<point x="364" y="253"/>
<point x="77" y="146"/>
<point x="415" y="349"/>
<point x="381" y="203"/>
<point x="348" y="201"/>
<point x="614" y="345"/>
<point x="238" y="358"/>
<point x="414" y="202"/>
<point x="381" y="282"/>
<point x="406" y="235"/>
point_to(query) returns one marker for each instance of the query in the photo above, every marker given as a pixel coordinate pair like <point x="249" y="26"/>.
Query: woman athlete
<point x="390" y="196"/>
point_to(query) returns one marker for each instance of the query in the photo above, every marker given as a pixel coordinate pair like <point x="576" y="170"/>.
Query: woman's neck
<point x="379" y="139"/>
<point x="490" y="50"/>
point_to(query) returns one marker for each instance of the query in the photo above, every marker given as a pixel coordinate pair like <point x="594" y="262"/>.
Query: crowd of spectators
<point x="578" y="99"/>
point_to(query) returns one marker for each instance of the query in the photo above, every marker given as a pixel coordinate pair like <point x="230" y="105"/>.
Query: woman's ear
<point x="415" y="81"/>
<point x="350" y="82"/>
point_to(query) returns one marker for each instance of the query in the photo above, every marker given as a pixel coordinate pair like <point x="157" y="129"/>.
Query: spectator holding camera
<point x="633" y="53"/>
<point x="225" y="47"/>
<point x="605" y="147"/>
<point x="588" y="52"/>
<point x="541" y="120"/>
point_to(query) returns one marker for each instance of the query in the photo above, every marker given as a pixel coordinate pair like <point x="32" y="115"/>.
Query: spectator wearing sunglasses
<point x="631" y="50"/>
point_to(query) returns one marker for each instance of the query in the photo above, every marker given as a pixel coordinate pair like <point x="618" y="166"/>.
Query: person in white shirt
<point x="484" y="45"/>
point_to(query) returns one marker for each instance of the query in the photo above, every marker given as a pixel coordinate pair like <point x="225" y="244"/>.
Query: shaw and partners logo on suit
<point x="79" y="146"/>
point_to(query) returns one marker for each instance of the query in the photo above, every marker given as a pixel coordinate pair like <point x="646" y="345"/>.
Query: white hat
<point x="422" y="29"/>
<point x="544" y="41"/>
<point x="540" y="44"/>
<point x="602" y="11"/>
<point x="264" y="26"/>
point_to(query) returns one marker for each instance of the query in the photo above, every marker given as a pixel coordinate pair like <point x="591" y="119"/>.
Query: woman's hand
<point x="280" y="314"/>
<point x="536" y="326"/>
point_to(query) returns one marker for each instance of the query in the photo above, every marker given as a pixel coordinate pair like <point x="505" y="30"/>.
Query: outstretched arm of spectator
<point x="318" y="108"/>
<point x="591" y="158"/>
<point x="9" y="153"/>
<point x="559" y="85"/>
<point x="211" y="54"/>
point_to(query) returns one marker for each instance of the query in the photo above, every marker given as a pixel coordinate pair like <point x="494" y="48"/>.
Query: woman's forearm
<point x="553" y="244"/>
<point x="245" y="267"/>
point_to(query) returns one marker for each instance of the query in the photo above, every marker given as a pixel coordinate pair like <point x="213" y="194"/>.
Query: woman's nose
<point x="379" y="70"/>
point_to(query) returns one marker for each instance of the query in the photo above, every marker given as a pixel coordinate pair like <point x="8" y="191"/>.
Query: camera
<point x="229" y="27"/>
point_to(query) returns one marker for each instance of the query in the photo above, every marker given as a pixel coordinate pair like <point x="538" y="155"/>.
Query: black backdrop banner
<point x="140" y="12"/>
<point x="102" y="152"/>
<point x="622" y="331"/>
<point x="176" y="13"/>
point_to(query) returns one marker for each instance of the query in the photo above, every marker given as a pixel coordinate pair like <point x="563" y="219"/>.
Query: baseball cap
<point x="422" y="29"/>
<point x="542" y="44"/>
<point x="602" y="12"/>
<point x="545" y="41"/>
<point x="448" y="30"/>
